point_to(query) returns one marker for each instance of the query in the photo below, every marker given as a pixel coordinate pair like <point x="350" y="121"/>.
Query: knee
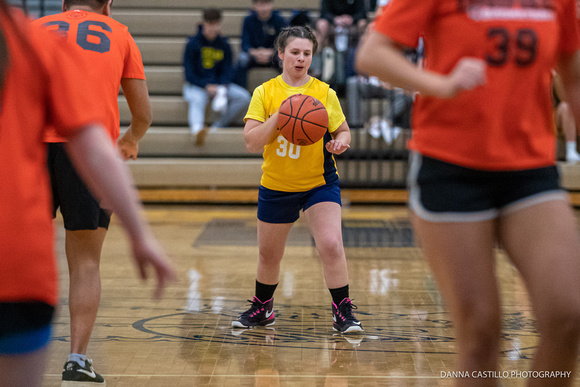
<point x="270" y="257"/>
<point x="479" y="330"/>
<point x="330" y="247"/>
<point x="563" y="108"/>
<point x="485" y="329"/>
<point x="562" y="321"/>
<point x="243" y="60"/>
<point x="245" y="96"/>
<point x="84" y="266"/>
<point x="322" y="26"/>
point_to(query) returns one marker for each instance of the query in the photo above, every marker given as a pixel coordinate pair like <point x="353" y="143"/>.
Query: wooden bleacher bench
<point x="201" y="4"/>
<point x="178" y="23"/>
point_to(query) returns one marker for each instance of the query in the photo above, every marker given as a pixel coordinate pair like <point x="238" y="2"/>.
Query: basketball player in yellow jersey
<point x="297" y="178"/>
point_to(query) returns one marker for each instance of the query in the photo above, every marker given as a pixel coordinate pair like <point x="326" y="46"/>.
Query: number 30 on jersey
<point x="287" y="148"/>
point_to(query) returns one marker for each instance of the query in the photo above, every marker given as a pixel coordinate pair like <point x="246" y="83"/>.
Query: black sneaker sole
<point x="72" y="383"/>
<point x="351" y="329"/>
<point x="237" y="324"/>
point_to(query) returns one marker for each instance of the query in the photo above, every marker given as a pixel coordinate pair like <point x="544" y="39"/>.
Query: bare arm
<point x="107" y="176"/>
<point x="569" y="72"/>
<point x="137" y="96"/>
<point x="383" y="58"/>
<point x="340" y="139"/>
<point x="258" y="134"/>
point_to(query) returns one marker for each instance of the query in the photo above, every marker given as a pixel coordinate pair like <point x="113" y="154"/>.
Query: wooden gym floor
<point x="187" y="340"/>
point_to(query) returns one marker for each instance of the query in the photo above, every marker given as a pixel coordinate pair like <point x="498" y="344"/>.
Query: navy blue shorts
<point x="444" y="192"/>
<point x="80" y="210"/>
<point x="284" y="207"/>
<point x="24" y="326"/>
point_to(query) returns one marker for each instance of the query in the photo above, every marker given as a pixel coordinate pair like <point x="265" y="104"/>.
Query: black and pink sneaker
<point x="343" y="318"/>
<point x="259" y="314"/>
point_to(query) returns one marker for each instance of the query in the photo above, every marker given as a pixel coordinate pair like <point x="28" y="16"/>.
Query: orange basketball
<point x="302" y="119"/>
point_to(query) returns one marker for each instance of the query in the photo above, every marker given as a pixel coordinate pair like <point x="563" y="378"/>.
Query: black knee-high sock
<point x="339" y="294"/>
<point x="264" y="292"/>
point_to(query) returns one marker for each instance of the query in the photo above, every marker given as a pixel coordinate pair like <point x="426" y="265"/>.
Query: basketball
<point x="302" y="119"/>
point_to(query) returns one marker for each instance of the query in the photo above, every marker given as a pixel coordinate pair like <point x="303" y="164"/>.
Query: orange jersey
<point x="43" y="86"/>
<point x="507" y="123"/>
<point x="112" y="54"/>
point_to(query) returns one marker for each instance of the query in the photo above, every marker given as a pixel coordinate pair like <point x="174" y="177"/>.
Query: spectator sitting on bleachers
<point x="208" y="73"/>
<point x="338" y="16"/>
<point x="338" y="29"/>
<point x="259" y="31"/>
<point x="360" y="88"/>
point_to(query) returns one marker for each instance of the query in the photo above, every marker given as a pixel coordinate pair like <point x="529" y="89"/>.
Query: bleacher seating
<point x="201" y="4"/>
<point x="39" y="7"/>
<point x="168" y="156"/>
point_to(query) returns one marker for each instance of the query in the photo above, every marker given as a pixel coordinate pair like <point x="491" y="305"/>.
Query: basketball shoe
<point x="343" y="318"/>
<point x="259" y="314"/>
<point x="73" y="375"/>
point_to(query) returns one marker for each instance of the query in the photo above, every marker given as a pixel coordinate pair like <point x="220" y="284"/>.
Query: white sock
<point x="220" y="101"/>
<point x="571" y="152"/>
<point x="195" y="129"/>
<point x="78" y="358"/>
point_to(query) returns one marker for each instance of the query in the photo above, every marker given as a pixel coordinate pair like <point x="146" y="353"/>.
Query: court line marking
<point x="272" y="376"/>
<point x="258" y="376"/>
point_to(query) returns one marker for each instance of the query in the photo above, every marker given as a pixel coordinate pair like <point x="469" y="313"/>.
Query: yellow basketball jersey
<point x="288" y="167"/>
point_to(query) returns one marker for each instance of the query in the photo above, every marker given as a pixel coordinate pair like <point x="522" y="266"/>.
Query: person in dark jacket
<point x="208" y="73"/>
<point x="337" y="16"/>
<point x="259" y="31"/>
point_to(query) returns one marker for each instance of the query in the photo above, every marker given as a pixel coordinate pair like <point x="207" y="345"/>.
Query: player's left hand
<point x="148" y="254"/>
<point x="336" y="147"/>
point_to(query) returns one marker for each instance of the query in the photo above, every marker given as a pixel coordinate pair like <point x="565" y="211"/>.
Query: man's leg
<point x="83" y="251"/>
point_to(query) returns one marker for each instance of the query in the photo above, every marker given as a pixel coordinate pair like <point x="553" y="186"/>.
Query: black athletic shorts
<point x="24" y="326"/>
<point x="80" y="210"/>
<point x="444" y="192"/>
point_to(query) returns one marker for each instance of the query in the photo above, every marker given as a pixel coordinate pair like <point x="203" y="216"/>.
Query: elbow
<point x="146" y="118"/>
<point x="141" y="121"/>
<point x="251" y="146"/>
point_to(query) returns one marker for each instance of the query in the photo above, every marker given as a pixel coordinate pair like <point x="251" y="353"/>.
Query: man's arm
<point x="108" y="178"/>
<point x="137" y="96"/>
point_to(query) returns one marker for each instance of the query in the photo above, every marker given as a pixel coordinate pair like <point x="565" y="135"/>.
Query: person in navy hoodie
<point x="259" y="31"/>
<point x="208" y="73"/>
